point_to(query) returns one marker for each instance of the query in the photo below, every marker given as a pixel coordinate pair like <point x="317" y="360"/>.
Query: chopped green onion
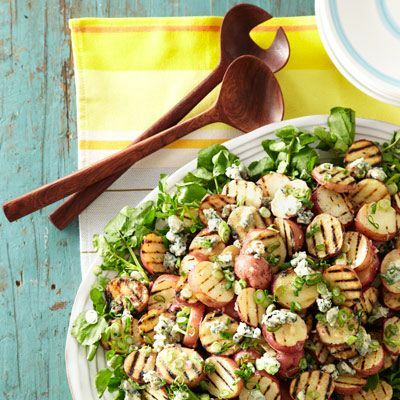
<point x="158" y="298"/>
<point x="351" y="340"/>
<point x="384" y="204"/>
<point x="313" y="279"/>
<point x="224" y="231"/>
<point x="259" y="296"/>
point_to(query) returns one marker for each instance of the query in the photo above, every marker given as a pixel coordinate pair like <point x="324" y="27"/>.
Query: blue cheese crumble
<point x="359" y="168"/>
<point x="300" y="264"/>
<point x="377" y="173"/>
<point x="176" y="236"/>
<point x="256" y="249"/>
<point x="213" y="219"/>
<point x="244" y="330"/>
<point x="268" y="363"/>
<point x="274" y="319"/>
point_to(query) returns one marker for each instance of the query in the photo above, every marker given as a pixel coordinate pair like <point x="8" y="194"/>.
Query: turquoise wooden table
<point x="39" y="266"/>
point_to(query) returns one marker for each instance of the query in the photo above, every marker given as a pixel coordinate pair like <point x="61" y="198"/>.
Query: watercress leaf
<point x="199" y="175"/>
<point x="98" y="300"/>
<point x="287" y="133"/>
<point x="372" y="382"/>
<point x="261" y="167"/>
<point x="277" y="146"/>
<point x="341" y="122"/>
<point x="191" y="193"/>
<point x="85" y="333"/>
<point x="205" y="156"/>
<point x="220" y="163"/>
<point x="305" y="160"/>
<point x="326" y="140"/>
<point x="306" y="138"/>
<point x="115" y="225"/>
<point x="102" y="380"/>
<point x="266" y="145"/>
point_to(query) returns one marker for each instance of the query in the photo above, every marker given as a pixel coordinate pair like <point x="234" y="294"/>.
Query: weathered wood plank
<point x="39" y="266"/>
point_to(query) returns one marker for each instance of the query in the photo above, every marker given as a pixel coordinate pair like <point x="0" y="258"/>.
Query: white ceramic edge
<point x="248" y="142"/>
<point x="372" y="83"/>
<point x="323" y="21"/>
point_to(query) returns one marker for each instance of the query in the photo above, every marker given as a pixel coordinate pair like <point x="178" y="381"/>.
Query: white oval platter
<point x="81" y="373"/>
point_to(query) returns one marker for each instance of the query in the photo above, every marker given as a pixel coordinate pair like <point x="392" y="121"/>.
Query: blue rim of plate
<point x="352" y="52"/>
<point x="370" y="91"/>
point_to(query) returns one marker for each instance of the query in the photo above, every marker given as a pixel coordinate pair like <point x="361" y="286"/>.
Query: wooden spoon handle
<point x="63" y="215"/>
<point x="54" y="191"/>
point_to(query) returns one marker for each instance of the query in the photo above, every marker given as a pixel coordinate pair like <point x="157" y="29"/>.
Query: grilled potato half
<point x="312" y="382"/>
<point x="376" y="222"/>
<point x="207" y="243"/>
<point x="244" y="192"/>
<point x="274" y="246"/>
<point x="271" y="183"/>
<point x="338" y="334"/>
<point x="365" y="149"/>
<point x="139" y="362"/>
<point x="371" y="363"/>
<point x="391" y="258"/>
<point x="324" y="236"/>
<point x="336" y="204"/>
<point x="357" y="251"/>
<point x="266" y="384"/>
<point x="209" y="285"/>
<point x="152" y="252"/>
<point x="249" y="311"/>
<point x="342" y="351"/>
<point x="346" y="280"/>
<point x="369" y="191"/>
<point x="180" y="363"/>
<point x="163" y="292"/>
<point x="349" y="384"/>
<point x="216" y="333"/>
<point x="289" y="337"/>
<point x="383" y="391"/>
<point x="215" y="201"/>
<point x="244" y="219"/>
<point x="221" y="380"/>
<point x="291" y="233"/>
<point x="147" y="323"/>
<point x="334" y="178"/>
<point x="285" y="292"/>
<point x="391" y="335"/>
<point x="391" y="300"/>
<point x="125" y="293"/>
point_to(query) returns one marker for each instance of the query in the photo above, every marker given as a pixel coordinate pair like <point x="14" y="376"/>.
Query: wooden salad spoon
<point x="234" y="42"/>
<point x="250" y="97"/>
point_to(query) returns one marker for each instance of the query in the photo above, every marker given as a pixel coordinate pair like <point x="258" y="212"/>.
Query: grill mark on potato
<point x="133" y="363"/>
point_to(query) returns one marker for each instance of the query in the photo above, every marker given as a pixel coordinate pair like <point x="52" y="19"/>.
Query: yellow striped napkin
<point x="130" y="71"/>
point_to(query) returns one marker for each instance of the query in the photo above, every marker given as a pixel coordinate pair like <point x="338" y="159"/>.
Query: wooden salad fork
<point x="250" y="97"/>
<point x="234" y="42"/>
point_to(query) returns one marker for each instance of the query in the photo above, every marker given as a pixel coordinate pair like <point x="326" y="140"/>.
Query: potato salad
<point x="275" y="280"/>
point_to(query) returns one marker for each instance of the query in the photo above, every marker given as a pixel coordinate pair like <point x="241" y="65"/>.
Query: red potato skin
<point x="170" y="277"/>
<point x="368" y="275"/>
<point x="360" y="227"/>
<point x="346" y="391"/>
<point x="207" y="300"/>
<point x="332" y="186"/>
<point x="195" y="318"/>
<point x="317" y="210"/>
<point x="255" y="271"/>
<point x="245" y="356"/>
<point x="269" y="337"/>
<point x="229" y="309"/>
<point x="298" y="234"/>
<point x="289" y="363"/>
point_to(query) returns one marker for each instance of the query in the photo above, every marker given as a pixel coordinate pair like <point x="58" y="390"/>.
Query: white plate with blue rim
<point x="81" y="373"/>
<point x="362" y="37"/>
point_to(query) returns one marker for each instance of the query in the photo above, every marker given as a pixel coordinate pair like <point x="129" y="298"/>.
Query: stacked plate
<point x="362" y="37"/>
